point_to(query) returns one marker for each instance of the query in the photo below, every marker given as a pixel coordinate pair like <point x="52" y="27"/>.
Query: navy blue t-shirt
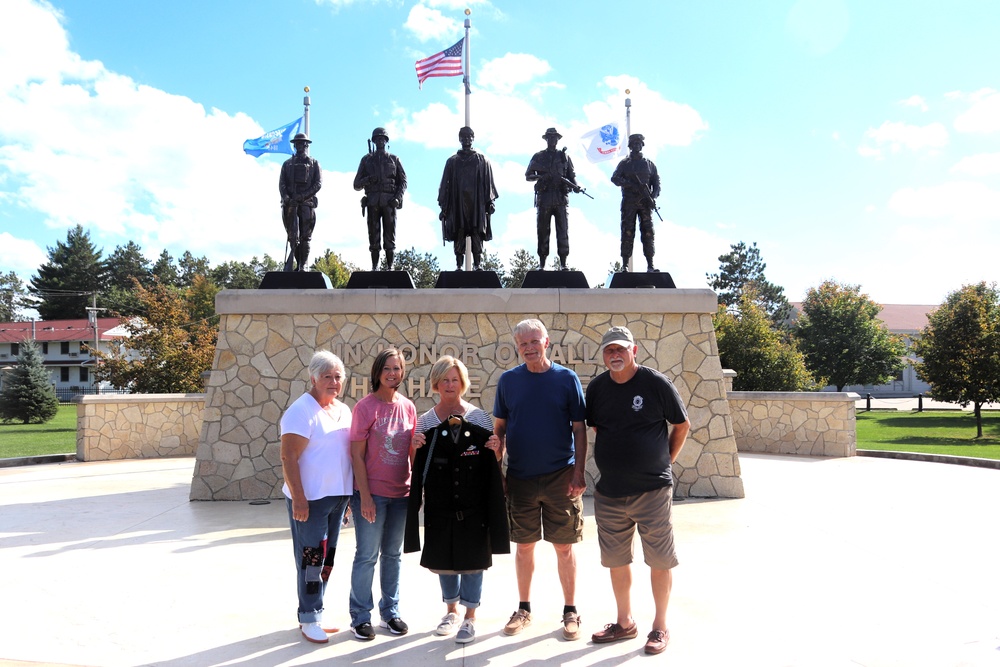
<point x="631" y="449"/>
<point x="539" y="409"/>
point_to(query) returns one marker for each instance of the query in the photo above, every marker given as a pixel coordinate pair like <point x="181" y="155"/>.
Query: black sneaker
<point x="396" y="626"/>
<point x="364" y="631"/>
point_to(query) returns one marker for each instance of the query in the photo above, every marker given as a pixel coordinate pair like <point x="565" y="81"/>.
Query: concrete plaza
<point x="826" y="562"/>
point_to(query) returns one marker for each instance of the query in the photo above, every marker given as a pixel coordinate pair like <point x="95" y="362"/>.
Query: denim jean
<point x="464" y="588"/>
<point x="314" y="544"/>
<point x="378" y="542"/>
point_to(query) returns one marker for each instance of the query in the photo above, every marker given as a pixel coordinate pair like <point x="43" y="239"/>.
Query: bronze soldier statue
<point x="466" y="199"/>
<point x="640" y="185"/>
<point x="381" y="176"/>
<point x="300" y="180"/>
<point x="553" y="174"/>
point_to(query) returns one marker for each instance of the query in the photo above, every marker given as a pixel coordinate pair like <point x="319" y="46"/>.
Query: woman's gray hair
<point x="323" y="361"/>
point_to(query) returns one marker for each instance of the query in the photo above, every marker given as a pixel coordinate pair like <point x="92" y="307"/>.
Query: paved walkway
<point x="825" y="563"/>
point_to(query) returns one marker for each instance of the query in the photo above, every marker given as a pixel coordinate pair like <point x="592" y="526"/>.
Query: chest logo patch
<point x="637" y="403"/>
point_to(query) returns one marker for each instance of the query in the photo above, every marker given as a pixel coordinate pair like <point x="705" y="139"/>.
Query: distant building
<point x="906" y="320"/>
<point x="64" y="345"/>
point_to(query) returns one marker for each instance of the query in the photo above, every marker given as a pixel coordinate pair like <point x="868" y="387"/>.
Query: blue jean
<point x="378" y="542"/>
<point x="464" y="588"/>
<point x="314" y="544"/>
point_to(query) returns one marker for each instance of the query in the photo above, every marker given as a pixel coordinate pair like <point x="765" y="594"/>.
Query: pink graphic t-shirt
<point x="388" y="428"/>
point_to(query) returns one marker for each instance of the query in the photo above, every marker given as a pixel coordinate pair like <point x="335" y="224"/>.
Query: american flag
<point x="445" y="63"/>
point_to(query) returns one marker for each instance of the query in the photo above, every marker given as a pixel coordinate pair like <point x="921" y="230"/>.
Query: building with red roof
<point x="65" y="346"/>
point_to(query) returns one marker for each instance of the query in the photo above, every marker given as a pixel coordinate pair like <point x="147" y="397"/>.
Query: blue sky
<point x="856" y="141"/>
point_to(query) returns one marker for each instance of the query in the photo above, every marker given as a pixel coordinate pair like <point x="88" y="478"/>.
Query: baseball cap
<point x="618" y="336"/>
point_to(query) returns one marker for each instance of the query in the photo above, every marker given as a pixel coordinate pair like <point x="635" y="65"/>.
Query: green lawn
<point x="57" y="436"/>
<point x="949" y="433"/>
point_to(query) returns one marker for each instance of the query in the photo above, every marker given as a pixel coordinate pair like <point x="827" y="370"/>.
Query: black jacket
<point x="465" y="517"/>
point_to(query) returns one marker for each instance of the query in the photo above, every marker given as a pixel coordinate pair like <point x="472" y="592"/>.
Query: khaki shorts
<point x="540" y="505"/>
<point x="617" y="519"/>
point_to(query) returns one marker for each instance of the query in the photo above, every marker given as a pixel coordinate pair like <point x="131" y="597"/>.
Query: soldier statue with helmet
<point x="640" y="185"/>
<point x="381" y="176"/>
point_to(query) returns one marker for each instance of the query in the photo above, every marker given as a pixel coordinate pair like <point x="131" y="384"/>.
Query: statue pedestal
<point x="295" y="280"/>
<point x="380" y="280"/>
<point x="555" y="279"/>
<point x="626" y="280"/>
<point x="468" y="280"/>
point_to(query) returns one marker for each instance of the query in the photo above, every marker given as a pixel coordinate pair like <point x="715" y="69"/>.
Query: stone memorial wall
<point x="267" y="337"/>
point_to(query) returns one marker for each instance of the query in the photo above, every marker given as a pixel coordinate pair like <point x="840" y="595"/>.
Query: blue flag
<point x="275" y="141"/>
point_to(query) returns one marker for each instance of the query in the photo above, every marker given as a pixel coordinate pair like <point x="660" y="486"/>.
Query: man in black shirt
<point x="629" y="407"/>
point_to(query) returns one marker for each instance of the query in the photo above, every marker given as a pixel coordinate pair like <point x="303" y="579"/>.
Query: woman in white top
<point x="319" y="481"/>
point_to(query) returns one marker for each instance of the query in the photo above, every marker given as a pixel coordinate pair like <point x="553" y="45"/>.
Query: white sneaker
<point x="447" y="625"/>
<point x="314" y="633"/>
<point x="466" y="633"/>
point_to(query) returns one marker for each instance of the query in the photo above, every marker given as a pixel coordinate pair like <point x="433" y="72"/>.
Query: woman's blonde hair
<point x="445" y="364"/>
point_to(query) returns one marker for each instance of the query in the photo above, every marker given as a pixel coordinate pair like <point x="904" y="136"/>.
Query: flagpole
<point x="468" y="121"/>
<point x="305" y="114"/>
<point x="468" y="74"/>
<point x="628" y="133"/>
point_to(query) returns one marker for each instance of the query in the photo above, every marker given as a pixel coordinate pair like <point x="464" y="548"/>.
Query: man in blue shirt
<point x="539" y="417"/>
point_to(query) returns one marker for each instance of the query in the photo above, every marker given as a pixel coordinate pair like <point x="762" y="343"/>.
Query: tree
<point x="28" y="395"/>
<point x="335" y="268"/>
<point x="243" y="275"/>
<point x="165" y="351"/>
<point x="423" y="269"/>
<point x="522" y="262"/>
<point x="763" y="359"/>
<point x="843" y="340"/>
<point x="72" y="274"/>
<point x="12" y="296"/>
<point x="960" y="349"/>
<point x="124" y="264"/>
<point x="200" y="298"/>
<point x="743" y="267"/>
<point x="189" y="266"/>
<point x="165" y="270"/>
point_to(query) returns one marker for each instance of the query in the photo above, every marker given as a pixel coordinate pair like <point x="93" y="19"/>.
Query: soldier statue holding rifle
<point x="640" y="185"/>
<point x="381" y="176"/>
<point x="553" y="174"/>
<point x="300" y="180"/>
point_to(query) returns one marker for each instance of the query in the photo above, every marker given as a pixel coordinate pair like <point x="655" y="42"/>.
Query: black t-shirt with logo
<point x="631" y="449"/>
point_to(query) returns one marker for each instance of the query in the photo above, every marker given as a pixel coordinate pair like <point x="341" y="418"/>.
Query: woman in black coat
<point x="456" y="477"/>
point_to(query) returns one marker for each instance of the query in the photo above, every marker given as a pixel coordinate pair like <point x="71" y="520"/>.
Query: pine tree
<point x="28" y="395"/>
<point x="64" y="283"/>
<point x="742" y="267"/>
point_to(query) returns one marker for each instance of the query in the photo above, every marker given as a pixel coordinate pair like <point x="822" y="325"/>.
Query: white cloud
<point x="83" y="145"/>
<point x="505" y="73"/>
<point x="897" y="136"/>
<point x="915" y="101"/>
<point x="955" y="201"/>
<point x="427" y="24"/>
<point x="983" y="116"/>
<point x="983" y="164"/>
<point x="20" y="256"/>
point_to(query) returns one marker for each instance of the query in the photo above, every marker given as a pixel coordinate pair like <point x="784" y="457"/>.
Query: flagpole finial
<point x="306" y="89"/>
<point x="468" y="11"/>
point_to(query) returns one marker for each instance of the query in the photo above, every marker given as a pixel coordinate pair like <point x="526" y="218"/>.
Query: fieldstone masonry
<point x="137" y="426"/>
<point x="266" y="339"/>
<point x="800" y="423"/>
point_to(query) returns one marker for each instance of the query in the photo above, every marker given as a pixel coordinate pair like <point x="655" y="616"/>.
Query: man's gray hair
<point x="323" y="361"/>
<point x="524" y="326"/>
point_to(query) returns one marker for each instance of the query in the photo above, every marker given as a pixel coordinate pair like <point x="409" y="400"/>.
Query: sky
<point x="856" y="141"/>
